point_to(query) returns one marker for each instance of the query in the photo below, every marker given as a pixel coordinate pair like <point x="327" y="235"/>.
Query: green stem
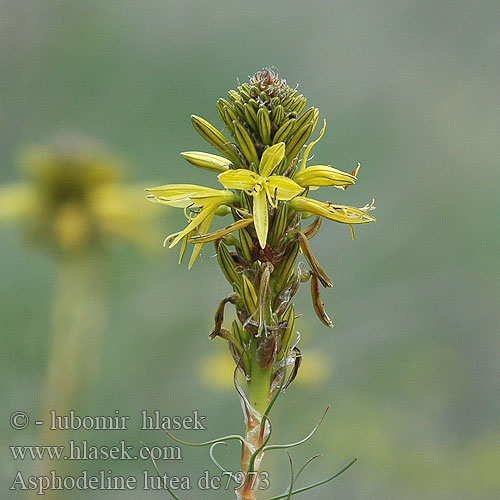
<point x="259" y="388"/>
<point x="260" y="382"/>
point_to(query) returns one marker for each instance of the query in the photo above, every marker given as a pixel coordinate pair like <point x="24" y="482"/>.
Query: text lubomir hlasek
<point x="149" y="421"/>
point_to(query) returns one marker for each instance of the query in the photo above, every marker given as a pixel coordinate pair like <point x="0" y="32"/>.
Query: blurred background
<point x="411" y="90"/>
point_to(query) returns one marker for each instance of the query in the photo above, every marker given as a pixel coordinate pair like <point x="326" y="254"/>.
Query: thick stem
<point x="77" y="326"/>
<point x="259" y="388"/>
<point x="74" y="345"/>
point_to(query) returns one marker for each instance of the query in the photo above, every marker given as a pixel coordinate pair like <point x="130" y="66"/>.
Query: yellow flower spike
<point x="264" y="188"/>
<point x="258" y="251"/>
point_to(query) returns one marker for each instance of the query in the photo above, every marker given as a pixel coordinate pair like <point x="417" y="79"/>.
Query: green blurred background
<point x="409" y="88"/>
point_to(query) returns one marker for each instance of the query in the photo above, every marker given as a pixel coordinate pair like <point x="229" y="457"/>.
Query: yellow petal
<point x="208" y="211"/>
<point x="181" y="201"/>
<point x="180" y="189"/>
<point x="199" y="198"/>
<point x="221" y="197"/>
<point x="322" y="175"/>
<point x="217" y="235"/>
<point x="283" y="188"/>
<point x="260" y="217"/>
<point x="204" y="226"/>
<point x="238" y="179"/>
<point x="271" y="158"/>
<point x="183" y="249"/>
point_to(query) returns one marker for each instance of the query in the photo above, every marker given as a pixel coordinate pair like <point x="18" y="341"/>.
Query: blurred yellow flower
<point x="73" y="198"/>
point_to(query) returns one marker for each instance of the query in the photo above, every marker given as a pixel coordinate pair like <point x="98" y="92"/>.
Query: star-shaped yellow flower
<point x="263" y="186"/>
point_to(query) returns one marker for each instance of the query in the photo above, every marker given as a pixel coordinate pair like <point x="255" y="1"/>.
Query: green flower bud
<point x="297" y="142"/>
<point x="250" y="116"/>
<point x="277" y="115"/>
<point x="227" y="265"/>
<point x="215" y="138"/>
<point x="245" y="143"/>
<point x="264" y="124"/>
<point x="284" y="132"/>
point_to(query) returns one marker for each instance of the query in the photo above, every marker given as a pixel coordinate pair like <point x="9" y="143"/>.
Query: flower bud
<point x="227" y="264"/>
<point x="297" y="142"/>
<point x="277" y="115"/>
<point x="249" y="295"/>
<point x="284" y="131"/>
<point x="250" y="116"/>
<point x="264" y="125"/>
<point x="245" y="143"/>
<point x="289" y="317"/>
<point x="206" y="161"/>
<point x="215" y="138"/>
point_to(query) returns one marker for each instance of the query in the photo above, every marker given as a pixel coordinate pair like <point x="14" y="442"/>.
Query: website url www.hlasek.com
<point x="85" y="451"/>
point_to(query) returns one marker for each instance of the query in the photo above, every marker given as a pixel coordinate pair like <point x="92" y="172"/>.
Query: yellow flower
<point x="337" y="213"/>
<point x="263" y="187"/>
<point x="323" y="175"/>
<point x="72" y="198"/>
<point x="204" y="202"/>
